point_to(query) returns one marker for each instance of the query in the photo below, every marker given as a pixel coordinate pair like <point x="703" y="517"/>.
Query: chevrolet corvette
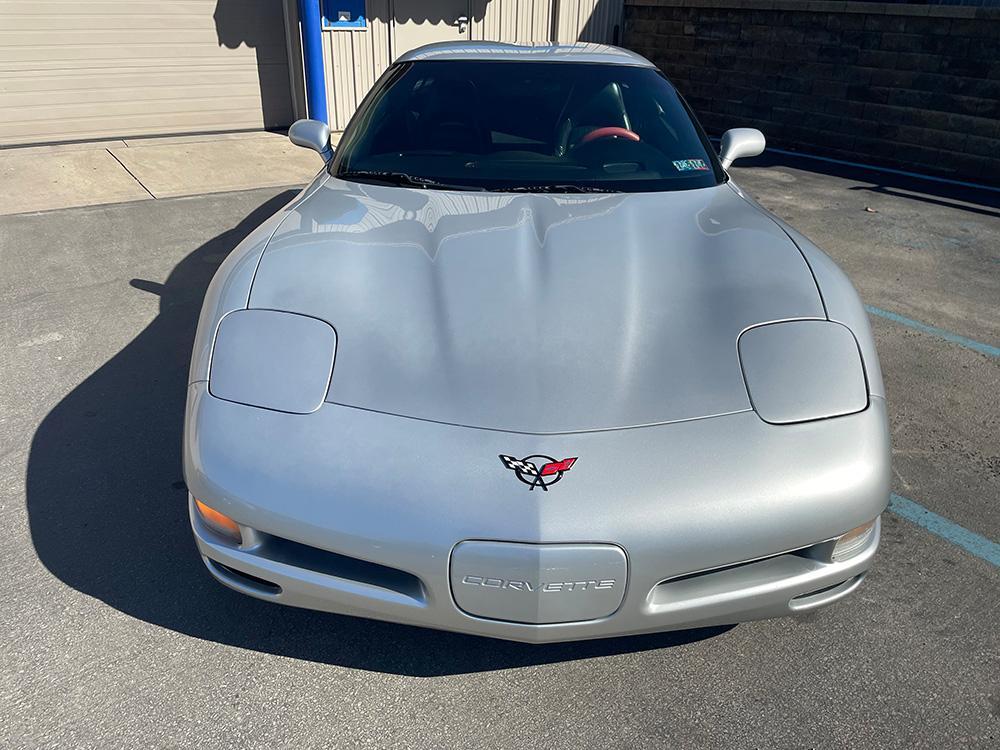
<point x="524" y="361"/>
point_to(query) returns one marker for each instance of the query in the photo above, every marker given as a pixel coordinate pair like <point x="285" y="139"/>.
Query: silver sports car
<point x="523" y="361"/>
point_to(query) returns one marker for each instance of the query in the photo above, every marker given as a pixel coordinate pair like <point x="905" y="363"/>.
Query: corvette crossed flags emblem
<point x="529" y="473"/>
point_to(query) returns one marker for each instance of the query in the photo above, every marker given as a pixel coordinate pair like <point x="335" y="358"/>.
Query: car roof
<point x="580" y="52"/>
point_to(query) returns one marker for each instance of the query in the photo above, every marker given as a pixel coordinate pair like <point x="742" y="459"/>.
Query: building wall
<point x="514" y="21"/>
<point x="915" y="87"/>
<point x="73" y="70"/>
<point x="589" y="21"/>
<point x="355" y="58"/>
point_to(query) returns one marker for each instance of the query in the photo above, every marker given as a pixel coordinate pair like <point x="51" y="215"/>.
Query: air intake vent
<point x="244" y="580"/>
<point x="334" y="564"/>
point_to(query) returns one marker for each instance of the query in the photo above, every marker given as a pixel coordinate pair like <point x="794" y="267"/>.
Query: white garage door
<point x="75" y="69"/>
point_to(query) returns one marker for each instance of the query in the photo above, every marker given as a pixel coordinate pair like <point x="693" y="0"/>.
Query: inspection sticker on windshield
<point x="691" y="165"/>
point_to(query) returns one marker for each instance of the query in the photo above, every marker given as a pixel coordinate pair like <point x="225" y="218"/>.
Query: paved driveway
<point x="113" y="635"/>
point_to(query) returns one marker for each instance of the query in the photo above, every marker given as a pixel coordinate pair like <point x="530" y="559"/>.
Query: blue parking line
<point x="978" y="346"/>
<point x="940" y="526"/>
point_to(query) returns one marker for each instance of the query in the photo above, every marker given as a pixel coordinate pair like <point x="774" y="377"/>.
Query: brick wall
<point x="914" y="87"/>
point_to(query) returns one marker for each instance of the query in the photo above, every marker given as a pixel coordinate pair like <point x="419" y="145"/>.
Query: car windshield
<point x="526" y="127"/>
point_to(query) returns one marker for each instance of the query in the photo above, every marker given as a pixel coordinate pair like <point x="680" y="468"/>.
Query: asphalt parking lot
<point x="113" y="634"/>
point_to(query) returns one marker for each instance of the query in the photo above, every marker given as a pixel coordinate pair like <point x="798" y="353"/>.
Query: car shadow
<point x="107" y="509"/>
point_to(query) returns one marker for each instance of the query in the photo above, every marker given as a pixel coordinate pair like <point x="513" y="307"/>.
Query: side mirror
<point x="740" y="143"/>
<point x="312" y="134"/>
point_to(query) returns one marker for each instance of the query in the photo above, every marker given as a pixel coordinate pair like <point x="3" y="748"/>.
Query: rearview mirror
<point x="312" y="134"/>
<point x="740" y="143"/>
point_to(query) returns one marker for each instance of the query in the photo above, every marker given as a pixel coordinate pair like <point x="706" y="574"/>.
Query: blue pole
<point x="312" y="58"/>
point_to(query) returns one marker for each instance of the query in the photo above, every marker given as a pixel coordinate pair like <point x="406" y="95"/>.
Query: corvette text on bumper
<point x="547" y="587"/>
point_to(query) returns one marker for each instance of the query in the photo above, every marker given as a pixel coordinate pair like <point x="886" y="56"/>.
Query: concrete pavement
<point x="112" y="634"/>
<point x="39" y="181"/>
<point x="43" y="178"/>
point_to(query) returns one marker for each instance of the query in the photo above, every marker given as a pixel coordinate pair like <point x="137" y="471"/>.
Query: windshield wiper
<point x="388" y="177"/>
<point x="569" y="188"/>
<point x="385" y="177"/>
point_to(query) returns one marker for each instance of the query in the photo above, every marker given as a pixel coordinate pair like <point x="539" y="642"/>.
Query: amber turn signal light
<point x="855" y="540"/>
<point x="219" y="522"/>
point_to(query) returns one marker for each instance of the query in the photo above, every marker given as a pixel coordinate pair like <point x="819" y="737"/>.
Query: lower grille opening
<point x="245" y="579"/>
<point x="817" y="592"/>
<point x="729" y="579"/>
<point x="827" y="593"/>
<point x="341" y="566"/>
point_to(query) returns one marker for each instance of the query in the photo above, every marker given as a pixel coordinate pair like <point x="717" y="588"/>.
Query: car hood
<point x="535" y="313"/>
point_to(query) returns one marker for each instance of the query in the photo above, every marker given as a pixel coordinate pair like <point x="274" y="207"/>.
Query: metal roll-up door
<point x="77" y="70"/>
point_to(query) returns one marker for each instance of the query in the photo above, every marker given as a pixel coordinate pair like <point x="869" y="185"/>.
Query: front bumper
<point x="720" y="520"/>
<point x="781" y="585"/>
